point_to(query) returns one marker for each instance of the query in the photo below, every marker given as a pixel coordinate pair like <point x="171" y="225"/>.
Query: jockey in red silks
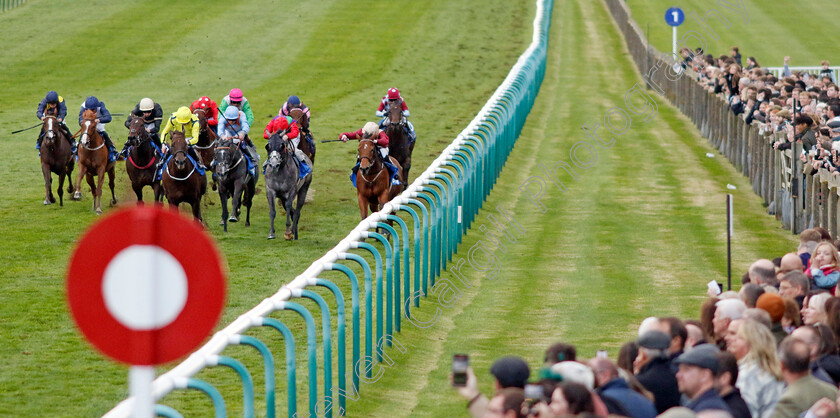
<point x="393" y="96"/>
<point x="211" y="109"/>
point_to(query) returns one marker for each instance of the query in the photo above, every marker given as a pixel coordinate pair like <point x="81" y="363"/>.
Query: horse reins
<point x="362" y="174"/>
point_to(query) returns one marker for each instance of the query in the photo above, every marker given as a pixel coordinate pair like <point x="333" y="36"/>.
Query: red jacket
<point x="382" y="141"/>
<point x="203" y="103"/>
<point x="280" y="123"/>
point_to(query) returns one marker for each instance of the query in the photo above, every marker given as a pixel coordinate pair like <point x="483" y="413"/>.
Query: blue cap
<point x="91" y="102"/>
<point x="294" y="101"/>
<point x="231" y="113"/>
<point x="52" y="97"/>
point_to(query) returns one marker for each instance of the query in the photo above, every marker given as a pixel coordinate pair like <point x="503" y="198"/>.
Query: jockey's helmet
<point x="183" y="115"/>
<point x="370" y="130"/>
<point x="147" y="105"/>
<point x="91" y="102"/>
<point x="393" y="94"/>
<point x="52" y="97"/>
<point x="235" y="95"/>
<point x="293" y="101"/>
<point x="231" y="113"/>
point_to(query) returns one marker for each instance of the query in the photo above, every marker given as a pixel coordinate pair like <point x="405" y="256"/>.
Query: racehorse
<point x="180" y="179"/>
<point x="93" y="161"/>
<point x="303" y="145"/>
<point x="234" y="181"/>
<point x="281" y="182"/>
<point x="56" y="157"/>
<point x="206" y="145"/>
<point x="373" y="183"/>
<point x="141" y="164"/>
<point x="400" y="149"/>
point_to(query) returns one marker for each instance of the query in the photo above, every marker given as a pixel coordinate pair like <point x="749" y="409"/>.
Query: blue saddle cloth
<point x="303" y="169"/>
<point x="392" y="171"/>
<point x="165" y="163"/>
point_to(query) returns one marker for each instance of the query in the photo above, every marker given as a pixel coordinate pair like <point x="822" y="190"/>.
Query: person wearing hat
<point x="293" y="102"/>
<point x="235" y="126"/>
<point x="152" y="115"/>
<point x="803" y="390"/>
<point x="380" y="139"/>
<point x="103" y="116"/>
<point x="509" y="372"/>
<point x="185" y="121"/>
<point x="653" y="369"/>
<point x="392" y="97"/>
<point x="53" y="105"/>
<point x="237" y="99"/>
<point x="211" y="111"/>
<point x="696" y="378"/>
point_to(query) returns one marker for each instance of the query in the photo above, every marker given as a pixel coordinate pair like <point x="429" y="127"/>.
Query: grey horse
<point x="233" y="181"/>
<point x="281" y="182"/>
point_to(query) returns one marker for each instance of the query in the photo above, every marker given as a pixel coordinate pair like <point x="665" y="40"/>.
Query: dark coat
<point x="736" y="404"/>
<point x="156" y="117"/>
<point x="708" y="400"/>
<point x="657" y="377"/>
<point x="636" y="405"/>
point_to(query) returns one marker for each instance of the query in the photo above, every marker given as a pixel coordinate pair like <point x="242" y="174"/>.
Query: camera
<point x="460" y="362"/>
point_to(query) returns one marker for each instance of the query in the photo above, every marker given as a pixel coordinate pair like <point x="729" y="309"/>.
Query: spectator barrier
<point x="441" y="204"/>
<point x="775" y="175"/>
<point x="10" y="4"/>
<point x="778" y="71"/>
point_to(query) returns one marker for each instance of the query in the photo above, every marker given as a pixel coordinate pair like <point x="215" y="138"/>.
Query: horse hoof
<point x="233" y="219"/>
<point x="288" y="236"/>
<point x="77" y="196"/>
<point x="247" y="223"/>
<point x="113" y="202"/>
<point x="222" y="222"/>
<point x="47" y="202"/>
<point x="98" y="211"/>
<point x="271" y="236"/>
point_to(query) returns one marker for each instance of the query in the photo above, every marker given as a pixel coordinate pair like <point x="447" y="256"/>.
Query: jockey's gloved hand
<point x="285" y="137"/>
<point x="380" y="113"/>
<point x="343" y="138"/>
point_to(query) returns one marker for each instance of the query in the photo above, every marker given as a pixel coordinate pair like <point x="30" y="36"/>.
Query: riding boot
<point x="124" y="152"/>
<point x="39" y="140"/>
<point x="194" y="154"/>
<point x="112" y="150"/>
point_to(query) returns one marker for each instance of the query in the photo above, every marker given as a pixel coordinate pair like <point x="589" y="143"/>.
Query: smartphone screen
<point x="533" y="393"/>
<point x="460" y="362"/>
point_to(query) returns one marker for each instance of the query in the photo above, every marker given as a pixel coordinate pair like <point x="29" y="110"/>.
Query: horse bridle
<point x="372" y="161"/>
<point x="223" y="162"/>
<point x="275" y="155"/>
<point x="83" y="140"/>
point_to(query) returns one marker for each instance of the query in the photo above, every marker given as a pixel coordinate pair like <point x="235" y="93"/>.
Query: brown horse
<point x="400" y="149"/>
<point x="141" y="164"/>
<point x="180" y="179"/>
<point x="373" y="183"/>
<point x="303" y="145"/>
<point x="207" y="141"/>
<point x="93" y="161"/>
<point x="56" y="157"/>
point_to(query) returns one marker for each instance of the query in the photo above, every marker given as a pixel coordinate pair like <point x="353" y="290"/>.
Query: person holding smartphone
<point x="509" y="372"/>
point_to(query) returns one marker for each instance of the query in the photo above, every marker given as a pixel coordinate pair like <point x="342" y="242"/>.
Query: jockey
<point x="206" y="103"/>
<point x="53" y="104"/>
<point x="371" y="131"/>
<point x="294" y="103"/>
<point x="289" y="126"/>
<point x="103" y="116"/>
<point x="235" y="125"/>
<point x="235" y="98"/>
<point x="392" y="97"/>
<point x="185" y="121"/>
<point x="152" y="115"/>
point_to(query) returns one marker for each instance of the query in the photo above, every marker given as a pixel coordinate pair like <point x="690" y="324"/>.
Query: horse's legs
<point x="250" y="189"/>
<point x="290" y="214"/>
<point x="301" y="200"/>
<point x="138" y="190"/>
<point x="224" y="198"/>
<point x="236" y="202"/>
<point x="48" y="197"/>
<point x="111" y="186"/>
<point x="196" y="210"/>
<point x="77" y="195"/>
<point x="272" y="212"/>
<point x="363" y="206"/>
<point x="60" y="188"/>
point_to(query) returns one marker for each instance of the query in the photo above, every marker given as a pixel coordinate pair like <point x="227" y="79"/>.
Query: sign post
<point x="674" y="17"/>
<point x="145" y="286"/>
<point x="730" y="231"/>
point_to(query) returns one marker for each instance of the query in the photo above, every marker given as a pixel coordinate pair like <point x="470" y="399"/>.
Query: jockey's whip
<point x="326" y="140"/>
<point x="31" y="127"/>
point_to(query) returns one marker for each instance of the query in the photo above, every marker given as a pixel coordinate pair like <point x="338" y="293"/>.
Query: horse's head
<point x="395" y="111"/>
<point x="179" y="148"/>
<point x="201" y="113"/>
<point x="278" y="150"/>
<point x="50" y="128"/>
<point x="224" y="156"/>
<point x="367" y="154"/>
<point x="88" y="127"/>
<point x="137" y="131"/>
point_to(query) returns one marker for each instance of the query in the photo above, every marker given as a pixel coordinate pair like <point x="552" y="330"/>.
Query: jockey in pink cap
<point x="236" y="98"/>
<point x="394" y="97"/>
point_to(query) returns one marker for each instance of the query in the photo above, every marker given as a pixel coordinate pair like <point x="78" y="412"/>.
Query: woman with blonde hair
<point x="813" y="308"/>
<point x="759" y="372"/>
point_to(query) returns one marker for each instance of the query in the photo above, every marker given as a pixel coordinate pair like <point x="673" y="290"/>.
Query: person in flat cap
<point x="696" y="378"/>
<point x="653" y="369"/>
<point x="510" y="372"/>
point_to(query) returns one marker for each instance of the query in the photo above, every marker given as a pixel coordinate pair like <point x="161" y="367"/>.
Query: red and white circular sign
<point x="145" y="285"/>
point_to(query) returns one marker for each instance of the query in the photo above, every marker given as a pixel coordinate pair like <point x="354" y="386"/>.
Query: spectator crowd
<point x="805" y="106"/>
<point x="769" y="350"/>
